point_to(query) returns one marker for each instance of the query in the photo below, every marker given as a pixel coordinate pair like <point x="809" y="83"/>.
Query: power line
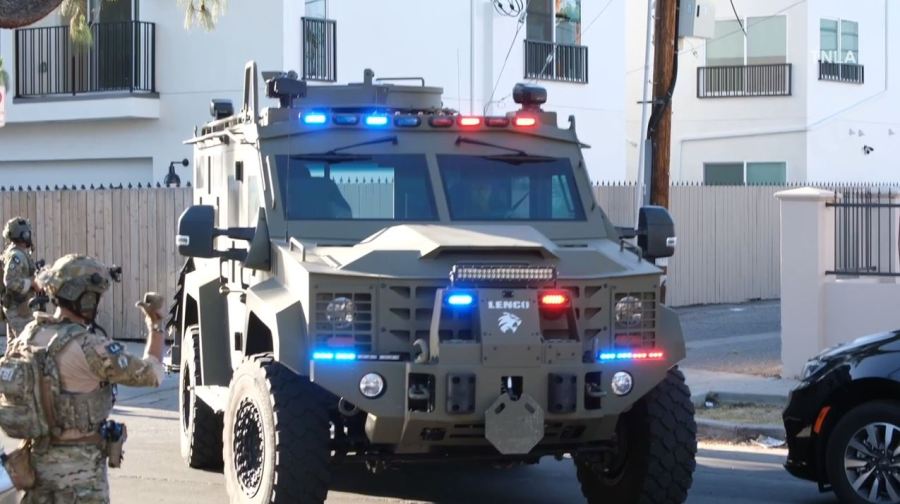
<point x="512" y="43"/>
<point x="738" y="17"/>
<point x="589" y="25"/>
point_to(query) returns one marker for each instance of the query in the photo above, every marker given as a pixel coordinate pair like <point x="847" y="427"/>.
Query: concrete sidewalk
<point x="702" y="382"/>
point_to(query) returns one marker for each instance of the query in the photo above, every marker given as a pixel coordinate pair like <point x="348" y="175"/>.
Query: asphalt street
<point x="744" y="338"/>
<point x="153" y="472"/>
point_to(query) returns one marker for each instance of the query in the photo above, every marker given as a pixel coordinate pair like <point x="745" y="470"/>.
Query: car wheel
<point x="276" y="436"/>
<point x="655" y="460"/>
<point x="201" y="427"/>
<point x="863" y="454"/>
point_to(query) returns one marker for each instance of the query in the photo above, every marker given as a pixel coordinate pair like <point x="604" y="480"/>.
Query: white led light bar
<point x="499" y="273"/>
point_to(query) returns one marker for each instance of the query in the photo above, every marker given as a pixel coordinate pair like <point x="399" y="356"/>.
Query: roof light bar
<point x="346" y="119"/>
<point x="469" y="121"/>
<point x="496" y="122"/>
<point x="441" y="121"/>
<point x="407" y="121"/>
<point x="376" y="120"/>
<point x="314" y="118"/>
<point x="525" y="122"/>
<point x="631" y="356"/>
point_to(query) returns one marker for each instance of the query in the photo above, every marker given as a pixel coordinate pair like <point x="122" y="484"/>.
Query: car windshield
<point x="352" y="187"/>
<point x="510" y="188"/>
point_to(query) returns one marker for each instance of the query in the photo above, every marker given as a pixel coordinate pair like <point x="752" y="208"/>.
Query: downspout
<point x="801" y="129"/>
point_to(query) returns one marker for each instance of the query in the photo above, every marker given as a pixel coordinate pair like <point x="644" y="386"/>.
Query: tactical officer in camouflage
<point x="18" y="276"/>
<point x="70" y="465"/>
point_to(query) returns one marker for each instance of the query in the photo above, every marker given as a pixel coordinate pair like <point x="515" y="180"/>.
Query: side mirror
<point x="197" y="234"/>
<point x="656" y="233"/>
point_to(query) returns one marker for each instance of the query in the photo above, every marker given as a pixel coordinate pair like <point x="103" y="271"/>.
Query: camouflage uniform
<point x="71" y="467"/>
<point x="18" y="279"/>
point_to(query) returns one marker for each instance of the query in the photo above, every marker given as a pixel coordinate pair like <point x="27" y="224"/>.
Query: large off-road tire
<point x="276" y="436"/>
<point x="201" y="427"/>
<point x="655" y="461"/>
<point x="860" y="453"/>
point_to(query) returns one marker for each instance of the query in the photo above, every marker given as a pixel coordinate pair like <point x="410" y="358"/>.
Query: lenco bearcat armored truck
<point x="374" y="278"/>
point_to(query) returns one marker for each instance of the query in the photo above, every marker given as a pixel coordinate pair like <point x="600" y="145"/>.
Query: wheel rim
<point x="185" y="399"/>
<point x="872" y="462"/>
<point x="249" y="447"/>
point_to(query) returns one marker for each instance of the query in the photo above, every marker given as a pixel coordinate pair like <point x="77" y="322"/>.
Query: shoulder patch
<point x="114" y="348"/>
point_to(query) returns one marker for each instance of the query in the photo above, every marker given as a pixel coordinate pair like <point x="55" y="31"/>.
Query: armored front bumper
<point x="575" y="401"/>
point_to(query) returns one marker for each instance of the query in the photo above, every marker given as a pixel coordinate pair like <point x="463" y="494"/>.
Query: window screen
<point x="539" y="20"/>
<point x="828" y="41"/>
<point x="849" y="42"/>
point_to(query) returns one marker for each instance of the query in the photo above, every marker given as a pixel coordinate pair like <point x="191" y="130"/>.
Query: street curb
<point x="734" y="432"/>
<point x="736" y="397"/>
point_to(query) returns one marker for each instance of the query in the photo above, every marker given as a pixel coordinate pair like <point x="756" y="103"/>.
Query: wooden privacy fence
<point x="728" y="240"/>
<point x="132" y="228"/>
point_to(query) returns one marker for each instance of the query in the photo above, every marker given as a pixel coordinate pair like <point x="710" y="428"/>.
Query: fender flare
<point x="282" y="313"/>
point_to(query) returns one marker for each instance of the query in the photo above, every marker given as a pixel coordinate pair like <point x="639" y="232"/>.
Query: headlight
<point x="340" y="312"/>
<point x="811" y="367"/>
<point x="622" y="383"/>
<point x="629" y="311"/>
<point x="371" y="385"/>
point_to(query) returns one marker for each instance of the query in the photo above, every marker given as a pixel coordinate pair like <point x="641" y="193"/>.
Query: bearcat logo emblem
<point x="509" y="322"/>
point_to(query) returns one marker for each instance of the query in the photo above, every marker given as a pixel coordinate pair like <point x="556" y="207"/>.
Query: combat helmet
<point x="19" y="229"/>
<point x="76" y="282"/>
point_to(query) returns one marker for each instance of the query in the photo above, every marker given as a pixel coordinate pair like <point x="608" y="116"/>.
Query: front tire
<point x="201" y="427"/>
<point x="276" y="436"/>
<point x="657" y="449"/>
<point x="860" y="456"/>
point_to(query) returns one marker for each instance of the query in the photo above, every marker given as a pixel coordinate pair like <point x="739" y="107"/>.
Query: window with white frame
<point x="765" y="42"/>
<point x="839" y="41"/>
<point x="553" y="49"/>
<point x="749" y="173"/>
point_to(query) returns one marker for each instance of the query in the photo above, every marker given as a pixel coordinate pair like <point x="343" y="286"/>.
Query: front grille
<point x="636" y="334"/>
<point x="408" y="317"/>
<point x="356" y="335"/>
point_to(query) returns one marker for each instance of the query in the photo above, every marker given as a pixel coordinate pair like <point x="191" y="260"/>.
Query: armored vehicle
<point x="374" y="278"/>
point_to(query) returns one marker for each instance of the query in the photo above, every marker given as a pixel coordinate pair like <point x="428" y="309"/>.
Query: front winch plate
<point x="514" y="427"/>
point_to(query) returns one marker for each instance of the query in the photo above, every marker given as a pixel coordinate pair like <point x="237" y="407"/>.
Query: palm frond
<point x="204" y="13"/>
<point x="4" y="77"/>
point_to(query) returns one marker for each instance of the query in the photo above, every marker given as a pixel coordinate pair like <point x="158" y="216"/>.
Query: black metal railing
<point x="866" y="232"/>
<point x="744" y="81"/>
<point x="121" y="58"/>
<point x="319" y="49"/>
<point x="842" y="72"/>
<point x="560" y="62"/>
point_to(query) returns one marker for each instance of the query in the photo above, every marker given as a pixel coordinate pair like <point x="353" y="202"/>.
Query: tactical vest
<point x="32" y="402"/>
<point x="7" y="297"/>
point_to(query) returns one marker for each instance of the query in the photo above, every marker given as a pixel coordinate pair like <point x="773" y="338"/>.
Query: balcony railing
<point x="744" y="81"/>
<point x="842" y="72"/>
<point x="120" y="59"/>
<point x="560" y="62"/>
<point x="319" y="49"/>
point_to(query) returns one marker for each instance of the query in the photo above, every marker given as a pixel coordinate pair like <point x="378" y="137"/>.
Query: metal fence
<point x="866" y="232"/>
<point x="561" y="62"/>
<point x="121" y="58"/>
<point x="842" y="72"/>
<point x="744" y="81"/>
<point x="319" y="49"/>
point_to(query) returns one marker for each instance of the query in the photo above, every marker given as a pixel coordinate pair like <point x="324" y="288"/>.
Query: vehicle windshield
<point x="352" y="187"/>
<point x="510" y="188"/>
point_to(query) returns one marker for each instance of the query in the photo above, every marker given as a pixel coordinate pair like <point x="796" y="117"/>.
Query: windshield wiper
<point x="333" y="156"/>
<point x="467" y="140"/>
<point x="391" y="139"/>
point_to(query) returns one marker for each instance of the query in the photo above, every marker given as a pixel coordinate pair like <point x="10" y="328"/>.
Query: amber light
<point x="820" y="420"/>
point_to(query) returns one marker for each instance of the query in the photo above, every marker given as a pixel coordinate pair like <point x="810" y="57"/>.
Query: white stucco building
<point x="118" y="112"/>
<point x="809" y="94"/>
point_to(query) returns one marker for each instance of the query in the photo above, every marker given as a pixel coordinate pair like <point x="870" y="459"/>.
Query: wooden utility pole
<point x="664" y="75"/>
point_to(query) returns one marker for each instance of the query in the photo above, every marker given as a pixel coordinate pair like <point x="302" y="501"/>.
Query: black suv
<point x="843" y="420"/>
